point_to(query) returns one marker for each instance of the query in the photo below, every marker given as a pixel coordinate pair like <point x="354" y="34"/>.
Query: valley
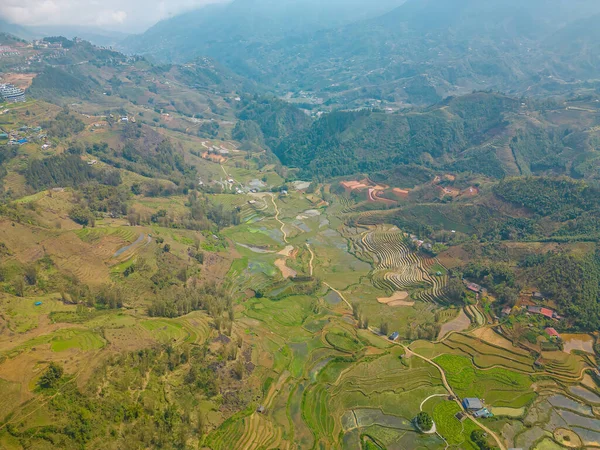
<point x="189" y="263"/>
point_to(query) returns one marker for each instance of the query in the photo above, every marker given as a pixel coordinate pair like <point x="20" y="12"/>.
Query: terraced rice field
<point x="486" y="355"/>
<point x="127" y="234"/>
<point x="499" y="387"/>
<point x="253" y="433"/>
<point x="397" y="268"/>
<point x="80" y="339"/>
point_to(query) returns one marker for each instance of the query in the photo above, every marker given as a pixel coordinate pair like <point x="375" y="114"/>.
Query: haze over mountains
<point x="417" y="52"/>
<point x="301" y="224"/>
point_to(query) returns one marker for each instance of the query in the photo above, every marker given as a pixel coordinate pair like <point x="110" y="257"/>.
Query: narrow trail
<point x="447" y="386"/>
<point x="429" y="398"/>
<point x="312" y="257"/>
<point x="278" y="220"/>
<point x="340" y="294"/>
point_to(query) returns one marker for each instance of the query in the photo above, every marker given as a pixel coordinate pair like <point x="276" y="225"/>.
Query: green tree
<point x="424" y="421"/>
<point x="384" y="328"/>
<point x="51" y="376"/>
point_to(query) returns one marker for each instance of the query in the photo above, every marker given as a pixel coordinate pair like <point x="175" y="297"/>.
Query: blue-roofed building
<point x="394" y="336"/>
<point x="22" y="141"/>
<point x="472" y="404"/>
<point x="483" y="413"/>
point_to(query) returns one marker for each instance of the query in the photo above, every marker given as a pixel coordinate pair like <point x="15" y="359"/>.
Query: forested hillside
<point x="344" y="143"/>
<point x="417" y="53"/>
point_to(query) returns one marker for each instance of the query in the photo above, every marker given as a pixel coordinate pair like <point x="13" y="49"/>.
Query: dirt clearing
<point x="462" y="322"/>
<point x="397" y="299"/>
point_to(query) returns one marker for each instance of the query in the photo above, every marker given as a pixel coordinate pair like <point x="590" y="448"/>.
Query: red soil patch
<point x="375" y="197"/>
<point x="402" y="193"/>
<point x="452" y="192"/>
<point x="354" y="185"/>
<point x="471" y="192"/>
<point x="20" y="80"/>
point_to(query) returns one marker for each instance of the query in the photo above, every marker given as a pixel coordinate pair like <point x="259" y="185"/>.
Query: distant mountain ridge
<point x="96" y="36"/>
<point x="417" y="53"/>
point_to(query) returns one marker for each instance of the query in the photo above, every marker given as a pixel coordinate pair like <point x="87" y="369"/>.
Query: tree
<point x="455" y="290"/>
<point x="19" y="286"/>
<point x="31" y="275"/>
<point x="384" y="328"/>
<point x="356" y="310"/>
<point x="51" y="376"/>
<point x="81" y="215"/>
<point x="424" y="421"/>
<point x="167" y="248"/>
<point x="480" y="438"/>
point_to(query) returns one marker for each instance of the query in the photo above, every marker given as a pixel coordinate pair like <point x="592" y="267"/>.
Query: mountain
<point x="483" y="133"/>
<point x="417" y="53"/>
<point x="96" y="36"/>
<point x="226" y="30"/>
<point x="15" y="30"/>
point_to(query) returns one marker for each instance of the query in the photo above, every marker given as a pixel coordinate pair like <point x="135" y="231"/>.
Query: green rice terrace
<point x="314" y="304"/>
<point x="247" y="312"/>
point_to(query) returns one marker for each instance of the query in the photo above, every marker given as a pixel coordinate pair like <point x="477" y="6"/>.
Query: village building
<point x="483" y="413"/>
<point x="11" y="94"/>
<point x="552" y="333"/>
<point x="546" y="312"/>
<point x="472" y="404"/>
<point x="394" y="336"/>
<point x="474" y="288"/>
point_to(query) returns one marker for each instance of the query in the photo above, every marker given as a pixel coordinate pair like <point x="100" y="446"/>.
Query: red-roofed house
<point x="547" y="312"/>
<point x="552" y="332"/>
<point x="474" y="287"/>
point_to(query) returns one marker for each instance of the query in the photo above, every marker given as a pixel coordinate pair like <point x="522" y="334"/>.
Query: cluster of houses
<point x="546" y="312"/>
<point x="23" y="136"/>
<point x="475" y="407"/>
<point x="219" y="151"/>
<point x="39" y="44"/>
<point x="11" y="94"/>
<point x="6" y="51"/>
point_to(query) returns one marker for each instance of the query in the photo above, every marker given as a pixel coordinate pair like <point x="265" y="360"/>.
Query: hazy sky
<point x="123" y="15"/>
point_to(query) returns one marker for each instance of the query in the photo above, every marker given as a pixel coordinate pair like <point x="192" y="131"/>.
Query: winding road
<point x="312" y="257"/>
<point x="278" y="220"/>
<point x="409" y="352"/>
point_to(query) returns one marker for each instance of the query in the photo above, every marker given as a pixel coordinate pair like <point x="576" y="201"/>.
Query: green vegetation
<point x="424" y="421"/>
<point x="51" y="377"/>
<point x="171" y="296"/>
<point x="491" y="384"/>
<point x="344" y="143"/>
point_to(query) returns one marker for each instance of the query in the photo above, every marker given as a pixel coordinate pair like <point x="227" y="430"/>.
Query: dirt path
<point x="277" y="219"/>
<point x="429" y="398"/>
<point x="446" y="385"/>
<point x="312" y="257"/>
<point x="340" y="294"/>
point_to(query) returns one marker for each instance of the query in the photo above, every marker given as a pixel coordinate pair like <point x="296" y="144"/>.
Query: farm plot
<point x="486" y="356"/>
<point x="252" y="433"/>
<point x="376" y="391"/>
<point x="499" y="387"/>
<point x="398" y="268"/>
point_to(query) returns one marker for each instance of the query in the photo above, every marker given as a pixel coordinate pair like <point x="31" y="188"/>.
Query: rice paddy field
<point x="310" y="296"/>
